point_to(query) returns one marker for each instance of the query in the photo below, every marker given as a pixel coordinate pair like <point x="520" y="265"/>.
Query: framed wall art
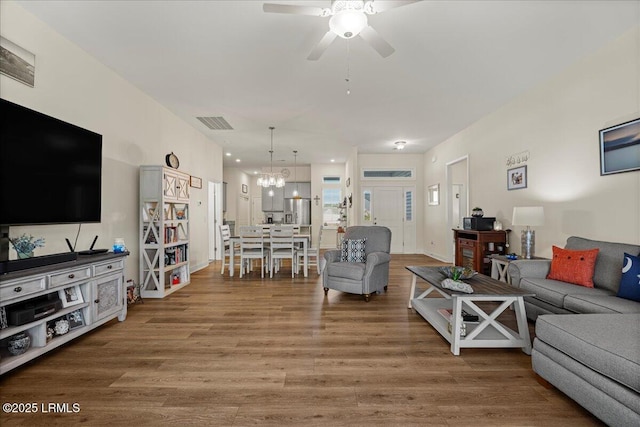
<point x="195" y="182"/>
<point x="71" y="296"/>
<point x="620" y="148"/>
<point x="433" y="194"/>
<point x="517" y="178"/>
<point x="245" y="189"/>
<point x="17" y="63"/>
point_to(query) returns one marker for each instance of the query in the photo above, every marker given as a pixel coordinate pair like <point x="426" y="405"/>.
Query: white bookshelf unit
<point x="164" y="231"/>
<point x="100" y="281"/>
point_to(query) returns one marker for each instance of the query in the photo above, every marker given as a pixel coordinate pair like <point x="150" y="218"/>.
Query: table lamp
<point x="528" y="216"/>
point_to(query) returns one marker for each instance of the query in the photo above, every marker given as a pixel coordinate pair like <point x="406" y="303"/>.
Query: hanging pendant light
<point x="271" y="179"/>
<point x="296" y="194"/>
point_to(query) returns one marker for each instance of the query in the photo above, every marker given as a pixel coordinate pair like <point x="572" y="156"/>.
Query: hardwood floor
<point x="230" y="351"/>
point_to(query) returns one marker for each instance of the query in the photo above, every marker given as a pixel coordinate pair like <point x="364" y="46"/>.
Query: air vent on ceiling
<point x="215" y="123"/>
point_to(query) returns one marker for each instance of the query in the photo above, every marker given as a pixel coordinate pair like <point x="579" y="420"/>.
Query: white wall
<point x="73" y="86"/>
<point x="557" y="123"/>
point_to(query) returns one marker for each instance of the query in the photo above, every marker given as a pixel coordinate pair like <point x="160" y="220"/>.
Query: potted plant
<point x="25" y="244"/>
<point x="477" y="212"/>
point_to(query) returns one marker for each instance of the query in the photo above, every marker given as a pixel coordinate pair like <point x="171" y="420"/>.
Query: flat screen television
<point x="50" y="170"/>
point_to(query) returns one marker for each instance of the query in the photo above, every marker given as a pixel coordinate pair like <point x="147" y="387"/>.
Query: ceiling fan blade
<point x="324" y="43"/>
<point x="382" y="5"/>
<point x="290" y="8"/>
<point x="380" y="45"/>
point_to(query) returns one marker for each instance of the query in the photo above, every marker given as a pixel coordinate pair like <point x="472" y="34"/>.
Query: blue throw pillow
<point x="353" y="250"/>
<point x="630" y="282"/>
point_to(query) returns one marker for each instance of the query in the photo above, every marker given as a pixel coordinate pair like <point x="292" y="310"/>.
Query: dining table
<point x="303" y="239"/>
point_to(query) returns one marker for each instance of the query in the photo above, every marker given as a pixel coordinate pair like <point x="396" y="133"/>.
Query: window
<point x="392" y="174"/>
<point x="331" y="202"/>
<point x="366" y="205"/>
<point x="408" y="205"/>
<point x="331" y="180"/>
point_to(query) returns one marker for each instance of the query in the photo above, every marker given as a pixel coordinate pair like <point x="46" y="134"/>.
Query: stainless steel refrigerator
<point x="297" y="211"/>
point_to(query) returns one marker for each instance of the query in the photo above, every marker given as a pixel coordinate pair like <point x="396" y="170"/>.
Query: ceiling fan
<point x="348" y="20"/>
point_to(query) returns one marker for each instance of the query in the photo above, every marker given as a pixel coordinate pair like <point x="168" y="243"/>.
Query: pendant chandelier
<point x="296" y="194"/>
<point x="271" y="179"/>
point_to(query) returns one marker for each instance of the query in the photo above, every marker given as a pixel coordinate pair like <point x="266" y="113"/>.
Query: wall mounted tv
<point x="50" y="170"/>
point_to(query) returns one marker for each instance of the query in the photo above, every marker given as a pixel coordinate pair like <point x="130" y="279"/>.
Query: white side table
<point x="500" y="266"/>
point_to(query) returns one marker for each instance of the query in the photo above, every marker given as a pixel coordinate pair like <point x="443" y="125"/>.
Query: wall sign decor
<point x="517" y="178"/>
<point x="195" y="182"/>
<point x="620" y="148"/>
<point x="17" y="63"/>
<point x="517" y="159"/>
<point x="245" y="189"/>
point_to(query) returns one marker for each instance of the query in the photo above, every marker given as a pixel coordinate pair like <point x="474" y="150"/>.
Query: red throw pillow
<point x="573" y="266"/>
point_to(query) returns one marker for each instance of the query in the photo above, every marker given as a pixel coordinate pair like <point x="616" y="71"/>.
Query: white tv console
<point x="102" y="286"/>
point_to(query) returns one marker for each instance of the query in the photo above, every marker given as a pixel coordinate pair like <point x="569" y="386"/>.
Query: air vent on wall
<point x="215" y="123"/>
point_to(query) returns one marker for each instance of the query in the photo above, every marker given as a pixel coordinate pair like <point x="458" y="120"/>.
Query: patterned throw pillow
<point x="630" y="282"/>
<point x="575" y="267"/>
<point x="353" y="250"/>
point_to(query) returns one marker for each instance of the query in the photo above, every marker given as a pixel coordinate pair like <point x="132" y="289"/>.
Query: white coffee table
<point x="488" y="331"/>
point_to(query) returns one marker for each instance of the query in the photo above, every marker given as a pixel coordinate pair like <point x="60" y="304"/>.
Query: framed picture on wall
<point x="245" y="189"/>
<point x="517" y="178"/>
<point x="620" y="148"/>
<point x="195" y="182"/>
<point x="17" y="63"/>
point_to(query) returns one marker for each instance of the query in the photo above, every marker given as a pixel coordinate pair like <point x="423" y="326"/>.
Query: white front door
<point x="388" y="210"/>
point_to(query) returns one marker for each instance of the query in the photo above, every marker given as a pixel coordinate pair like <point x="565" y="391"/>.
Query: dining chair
<point x="251" y="247"/>
<point x="313" y="253"/>
<point x="281" y="247"/>
<point x="225" y="245"/>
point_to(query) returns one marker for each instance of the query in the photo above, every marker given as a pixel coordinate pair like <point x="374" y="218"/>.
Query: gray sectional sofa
<point x="587" y="339"/>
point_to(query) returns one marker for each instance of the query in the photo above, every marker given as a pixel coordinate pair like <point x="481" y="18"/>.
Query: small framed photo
<point x="3" y="318"/>
<point x="434" y="194"/>
<point x="195" y="182"/>
<point x="75" y="319"/>
<point x="245" y="189"/>
<point x="71" y="296"/>
<point x="517" y="178"/>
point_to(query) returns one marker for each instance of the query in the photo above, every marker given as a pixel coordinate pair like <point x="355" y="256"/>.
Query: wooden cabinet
<point x="99" y="278"/>
<point x="273" y="203"/>
<point x="473" y="248"/>
<point x="164" y="231"/>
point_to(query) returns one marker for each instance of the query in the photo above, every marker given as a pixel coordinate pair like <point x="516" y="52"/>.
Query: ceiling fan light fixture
<point x="348" y="23"/>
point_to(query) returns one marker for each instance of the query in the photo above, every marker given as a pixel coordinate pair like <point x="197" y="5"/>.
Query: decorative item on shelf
<point x="477" y="212"/>
<point x="457" y="286"/>
<point x="497" y="225"/>
<point x="4" y="324"/>
<point x="76" y="320"/>
<point x="118" y="245"/>
<point x="133" y="292"/>
<point x="172" y="160"/>
<point x="25" y="245"/>
<point x="457" y="273"/>
<point x="61" y="326"/>
<point x="50" y="333"/>
<point x="180" y="214"/>
<point x="528" y="216"/>
<point x="19" y="343"/>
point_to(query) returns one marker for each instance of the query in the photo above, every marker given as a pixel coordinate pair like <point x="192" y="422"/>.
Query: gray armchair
<point x="362" y="278"/>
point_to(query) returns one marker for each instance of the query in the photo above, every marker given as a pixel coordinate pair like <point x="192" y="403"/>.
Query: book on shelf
<point x="447" y="313"/>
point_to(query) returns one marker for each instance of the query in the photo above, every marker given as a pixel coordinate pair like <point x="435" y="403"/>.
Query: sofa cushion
<point x="346" y="270"/>
<point x="554" y="291"/>
<point x="630" y="281"/>
<point x="573" y="266"/>
<point x="607" y="343"/>
<point x="609" y="262"/>
<point x="353" y="250"/>
<point x="600" y="304"/>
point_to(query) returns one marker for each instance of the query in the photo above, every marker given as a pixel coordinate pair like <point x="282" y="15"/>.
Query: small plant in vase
<point x="25" y="244"/>
<point x="477" y="212"/>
